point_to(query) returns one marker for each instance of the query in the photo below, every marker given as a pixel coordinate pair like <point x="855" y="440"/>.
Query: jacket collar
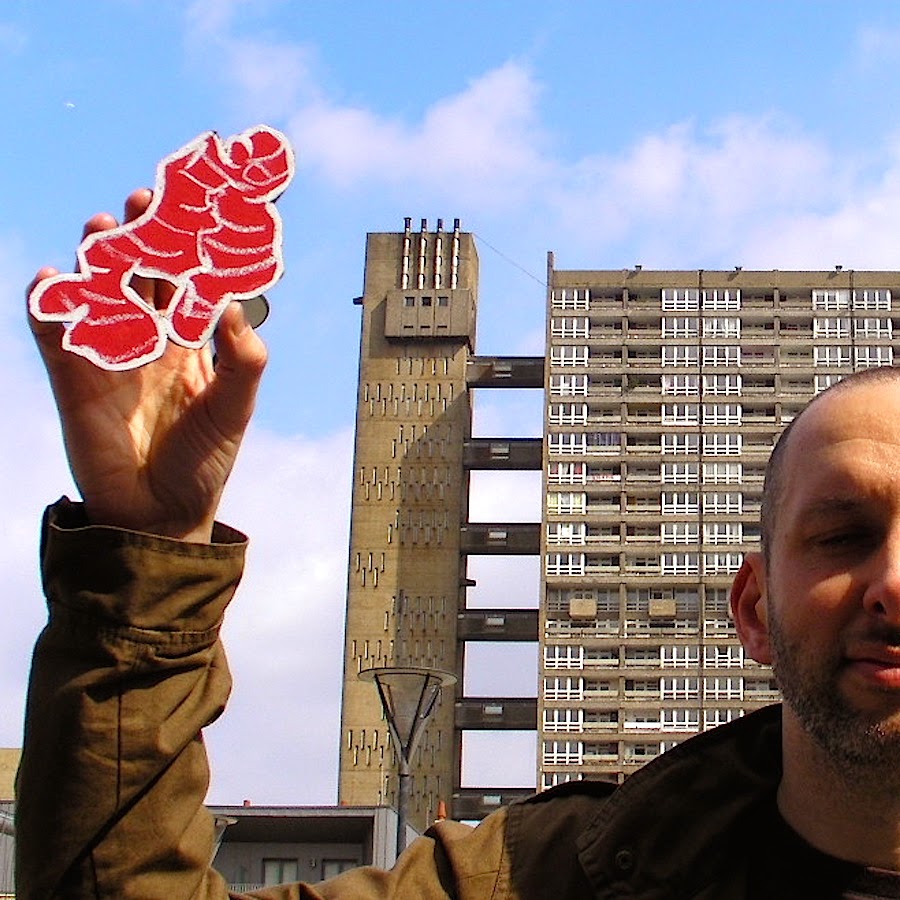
<point x="673" y="827"/>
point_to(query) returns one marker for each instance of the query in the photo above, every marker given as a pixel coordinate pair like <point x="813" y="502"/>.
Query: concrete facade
<point x="9" y="765"/>
<point x="665" y="392"/>
<point x="262" y="846"/>
<point x="410" y="493"/>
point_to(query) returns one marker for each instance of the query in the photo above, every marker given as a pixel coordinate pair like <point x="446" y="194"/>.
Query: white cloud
<point x="858" y="230"/>
<point x="33" y="472"/>
<point x="486" y="135"/>
<point x="684" y="196"/>
<point x="277" y="742"/>
<point x="482" y="143"/>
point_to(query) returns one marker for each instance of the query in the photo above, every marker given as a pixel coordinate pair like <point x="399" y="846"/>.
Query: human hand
<point x="151" y="448"/>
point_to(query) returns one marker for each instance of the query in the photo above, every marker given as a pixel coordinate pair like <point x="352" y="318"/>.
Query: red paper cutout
<point x="211" y="230"/>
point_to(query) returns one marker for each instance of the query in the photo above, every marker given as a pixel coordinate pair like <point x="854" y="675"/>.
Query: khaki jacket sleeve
<point x="127" y="672"/>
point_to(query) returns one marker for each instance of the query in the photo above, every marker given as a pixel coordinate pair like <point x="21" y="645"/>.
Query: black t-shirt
<point x="788" y="868"/>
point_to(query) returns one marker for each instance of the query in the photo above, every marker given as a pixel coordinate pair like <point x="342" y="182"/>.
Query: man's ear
<point x="748" y="606"/>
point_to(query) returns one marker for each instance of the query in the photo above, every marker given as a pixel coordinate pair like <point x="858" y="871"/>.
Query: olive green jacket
<point x="130" y="669"/>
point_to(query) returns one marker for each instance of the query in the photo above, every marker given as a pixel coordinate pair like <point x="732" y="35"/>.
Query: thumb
<point x="241" y="358"/>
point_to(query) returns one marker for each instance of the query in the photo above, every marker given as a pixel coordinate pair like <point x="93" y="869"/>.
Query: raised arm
<point x="129" y="668"/>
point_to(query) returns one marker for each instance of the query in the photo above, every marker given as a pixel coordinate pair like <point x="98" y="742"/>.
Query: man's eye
<point x="838" y="539"/>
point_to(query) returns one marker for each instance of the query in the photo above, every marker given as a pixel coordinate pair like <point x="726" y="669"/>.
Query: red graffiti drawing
<point x="211" y="230"/>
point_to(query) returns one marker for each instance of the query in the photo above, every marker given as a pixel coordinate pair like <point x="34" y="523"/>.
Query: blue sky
<point x="692" y="134"/>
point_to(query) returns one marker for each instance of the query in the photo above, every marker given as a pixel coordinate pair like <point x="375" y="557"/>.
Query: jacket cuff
<point x="131" y="579"/>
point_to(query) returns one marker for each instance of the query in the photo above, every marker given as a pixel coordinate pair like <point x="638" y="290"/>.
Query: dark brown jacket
<point x="130" y="669"/>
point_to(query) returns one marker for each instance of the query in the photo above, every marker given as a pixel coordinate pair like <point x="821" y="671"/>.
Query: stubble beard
<point x="852" y="740"/>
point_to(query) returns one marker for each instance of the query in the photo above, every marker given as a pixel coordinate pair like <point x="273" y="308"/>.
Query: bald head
<point x="773" y="486"/>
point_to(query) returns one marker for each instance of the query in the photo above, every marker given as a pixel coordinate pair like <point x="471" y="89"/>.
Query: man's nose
<point x="882" y="595"/>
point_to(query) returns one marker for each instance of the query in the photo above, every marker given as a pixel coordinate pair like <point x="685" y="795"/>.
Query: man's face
<point x="832" y="599"/>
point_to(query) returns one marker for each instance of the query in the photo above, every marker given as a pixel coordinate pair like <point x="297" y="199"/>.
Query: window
<point x="721" y="298"/>
<point x="872" y="328"/>
<point x="823" y="382"/>
<point x="718" y="602"/>
<point x="563" y="720"/>
<point x="565" y="564"/>
<point x="580" y="443"/>
<point x="568" y="414"/>
<point x="641" y="656"/>
<point x="831" y="299"/>
<point x="680" y="473"/>
<point x="607" y="750"/>
<point x="569" y="355"/>
<point x="869" y="357"/>
<point x="332" y="867"/>
<point x="642" y="750"/>
<point x="562" y="753"/>
<point x="681" y="385"/>
<point x="680" y="564"/>
<point x="563" y="688"/>
<point x="712" y="718"/>
<point x="569" y="385"/>
<point x="680" y="298"/>
<point x="680" y="502"/>
<point x="831" y="327"/>
<point x="570" y="327"/>
<point x="679" y="532"/>
<point x="280" y="871"/>
<point x="602" y="656"/>
<point x="760" y="688"/>
<point x="724" y="502"/>
<point x="680" y="326"/>
<point x="837" y="355"/>
<point x="564" y="442"/>
<point x="561" y="503"/>
<point x="563" y="657"/>
<point x="722" y="355"/>
<point x="721" y="563"/>
<point x="681" y="719"/>
<point x="603" y="441"/>
<point x="679" y="688"/>
<point x="566" y="532"/>
<point x="680" y="656"/>
<point x="642" y="720"/>
<point x="722" y="533"/>
<point x="552" y="779"/>
<point x="722" y="444"/>
<point x="679" y="355"/>
<point x="722" y="413"/>
<point x="681" y="413"/>
<point x="570" y="298"/>
<point x="567" y="473"/>
<point x="722" y="384"/>
<point x="722" y="473"/>
<point x="721" y="326"/>
<point x="644" y="565"/>
<point x="645" y="686"/>
<point x="719" y="688"/>
<point x="724" y="657"/>
<point x="680" y="443"/>
<point x="409" y="301"/>
<point x="872" y="299"/>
